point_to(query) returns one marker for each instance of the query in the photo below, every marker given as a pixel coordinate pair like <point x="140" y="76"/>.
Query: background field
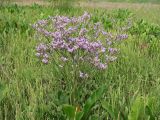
<point x="132" y="1"/>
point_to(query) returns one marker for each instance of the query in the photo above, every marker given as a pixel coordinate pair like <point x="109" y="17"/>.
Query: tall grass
<point x="30" y="91"/>
<point x="62" y="3"/>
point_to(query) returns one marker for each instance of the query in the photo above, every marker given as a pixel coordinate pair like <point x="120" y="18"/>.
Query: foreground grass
<point x="30" y="88"/>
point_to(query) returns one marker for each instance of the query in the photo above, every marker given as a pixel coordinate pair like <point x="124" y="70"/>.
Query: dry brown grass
<point x="29" y="2"/>
<point x="111" y="5"/>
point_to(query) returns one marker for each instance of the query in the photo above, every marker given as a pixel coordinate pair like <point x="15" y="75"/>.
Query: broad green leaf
<point x="108" y="108"/>
<point x="137" y="109"/>
<point x="149" y="112"/>
<point x="152" y="103"/>
<point x="69" y="111"/>
<point x="79" y="115"/>
<point x="134" y="97"/>
<point x="94" y="117"/>
<point x="72" y="113"/>
<point x="3" y="90"/>
<point x="91" y="101"/>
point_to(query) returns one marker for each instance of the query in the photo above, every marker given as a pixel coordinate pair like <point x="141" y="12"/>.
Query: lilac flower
<point x="109" y="42"/>
<point x="121" y="37"/>
<point x="70" y="30"/>
<point x="72" y="39"/>
<point x="97" y="25"/>
<point x="104" y="33"/>
<point x="103" y="49"/>
<point x="57" y="35"/>
<point x="102" y="66"/>
<point x="41" y="47"/>
<point x="82" y="32"/>
<point x="110" y="58"/>
<point x="42" y="22"/>
<point x="45" y="56"/>
<point x="66" y="20"/>
<point x="113" y="50"/>
<point x="84" y="17"/>
<point x="70" y="49"/>
<point x="77" y="38"/>
<point x="38" y="54"/>
<point x="45" y="61"/>
<point x="46" y="33"/>
<point x="83" y="75"/>
<point x="74" y="20"/>
<point x="64" y="59"/>
<point x="96" y="61"/>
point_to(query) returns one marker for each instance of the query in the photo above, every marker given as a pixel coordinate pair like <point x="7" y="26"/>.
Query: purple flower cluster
<point x="121" y="37"/>
<point x="113" y="50"/>
<point x="79" y="39"/>
<point x="83" y="75"/>
<point x="42" y="52"/>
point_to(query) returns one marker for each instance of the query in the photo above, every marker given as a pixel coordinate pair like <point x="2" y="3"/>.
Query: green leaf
<point x="137" y="109"/>
<point x="72" y="113"/>
<point x="134" y="97"/>
<point x="149" y="112"/>
<point x="3" y="90"/>
<point x="69" y="111"/>
<point x="108" y="108"/>
<point x="79" y="115"/>
<point x="94" y="117"/>
<point x="91" y="101"/>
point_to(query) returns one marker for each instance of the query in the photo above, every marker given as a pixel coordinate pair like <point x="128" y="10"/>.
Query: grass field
<point x="31" y="90"/>
<point x="144" y="11"/>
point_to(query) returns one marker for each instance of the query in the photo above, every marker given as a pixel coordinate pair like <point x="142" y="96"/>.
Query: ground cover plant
<point x="33" y="90"/>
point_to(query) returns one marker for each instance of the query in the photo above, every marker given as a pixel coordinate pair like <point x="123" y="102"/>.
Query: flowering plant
<point x="76" y="42"/>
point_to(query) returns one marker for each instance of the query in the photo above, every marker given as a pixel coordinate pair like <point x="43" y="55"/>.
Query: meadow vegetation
<point x="132" y="1"/>
<point x="128" y="89"/>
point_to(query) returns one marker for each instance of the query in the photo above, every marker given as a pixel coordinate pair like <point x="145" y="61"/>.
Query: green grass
<point x="30" y="90"/>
